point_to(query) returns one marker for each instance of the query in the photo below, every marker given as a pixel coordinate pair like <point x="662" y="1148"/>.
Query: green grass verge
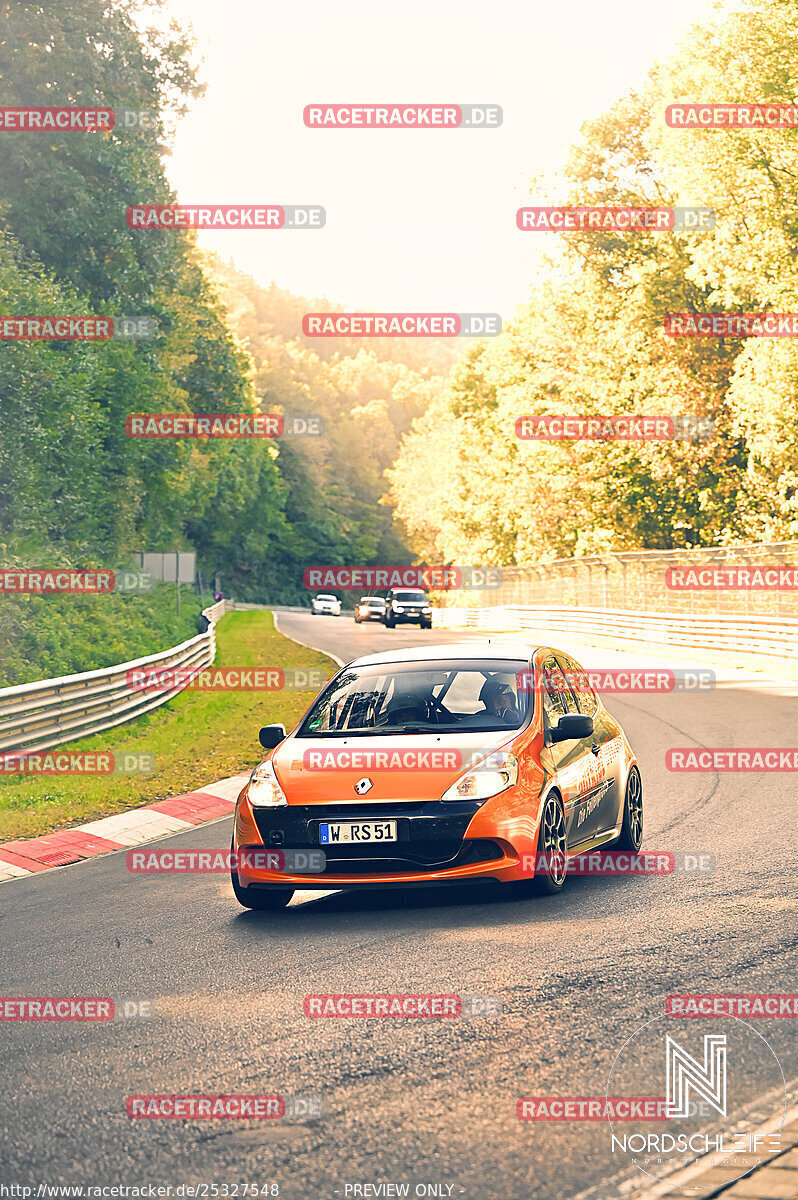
<point x="196" y="738"/>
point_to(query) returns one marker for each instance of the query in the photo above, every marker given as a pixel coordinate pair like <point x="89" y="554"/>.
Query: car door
<point x="571" y="762"/>
<point x="602" y="800"/>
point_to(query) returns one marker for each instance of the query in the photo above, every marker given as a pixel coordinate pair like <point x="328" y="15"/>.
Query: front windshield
<point x="410" y="597"/>
<point x="463" y="696"/>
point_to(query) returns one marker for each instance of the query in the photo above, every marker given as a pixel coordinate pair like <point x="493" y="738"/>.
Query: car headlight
<point x="398" y="608"/>
<point x="426" y="610"/>
<point x="494" y="774"/>
<point x="264" y="789"/>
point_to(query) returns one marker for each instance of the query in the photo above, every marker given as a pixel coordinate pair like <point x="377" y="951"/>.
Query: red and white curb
<point x="120" y="831"/>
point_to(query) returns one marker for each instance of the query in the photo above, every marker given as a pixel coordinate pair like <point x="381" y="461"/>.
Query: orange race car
<point x="438" y="765"/>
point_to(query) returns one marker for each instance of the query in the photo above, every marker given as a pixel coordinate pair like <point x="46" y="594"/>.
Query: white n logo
<point x="684" y="1074"/>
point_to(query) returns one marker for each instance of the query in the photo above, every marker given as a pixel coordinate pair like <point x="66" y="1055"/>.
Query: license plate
<point x="356" y="833"/>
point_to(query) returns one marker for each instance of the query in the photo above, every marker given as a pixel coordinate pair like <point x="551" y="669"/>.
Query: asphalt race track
<point x="406" y="1101"/>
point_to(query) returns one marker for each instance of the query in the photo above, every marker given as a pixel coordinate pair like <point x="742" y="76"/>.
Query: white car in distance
<point x="326" y="603"/>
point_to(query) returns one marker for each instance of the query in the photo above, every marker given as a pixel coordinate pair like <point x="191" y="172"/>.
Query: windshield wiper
<point x="355" y="731"/>
<point x="389" y="729"/>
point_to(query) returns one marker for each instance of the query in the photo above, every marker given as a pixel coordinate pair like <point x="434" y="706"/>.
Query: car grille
<point x="430" y="835"/>
<point x="351" y="860"/>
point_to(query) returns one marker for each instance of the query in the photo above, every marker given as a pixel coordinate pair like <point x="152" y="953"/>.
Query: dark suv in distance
<point x="407" y="605"/>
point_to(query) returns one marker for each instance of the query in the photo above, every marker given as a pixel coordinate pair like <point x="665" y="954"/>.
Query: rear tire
<point x="551" y="862"/>
<point x="632" y="828"/>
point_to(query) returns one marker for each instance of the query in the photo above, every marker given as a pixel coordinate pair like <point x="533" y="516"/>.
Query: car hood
<point x="400" y="767"/>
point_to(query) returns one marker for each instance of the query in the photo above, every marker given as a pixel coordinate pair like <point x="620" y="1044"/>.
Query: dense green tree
<point x="72" y="478"/>
<point x="591" y="339"/>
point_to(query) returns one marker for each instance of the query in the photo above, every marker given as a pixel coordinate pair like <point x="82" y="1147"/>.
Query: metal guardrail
<point x="38" y="716"/>
<point x="774" y="637"/>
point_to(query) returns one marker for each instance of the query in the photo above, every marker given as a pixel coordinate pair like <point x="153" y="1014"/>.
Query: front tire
<point x="426" y="624"/>
<point x="260" y="899"/>
<point x="389" y="623"/>
<point x="551" y="862"/>
<point x="632" y="828"/>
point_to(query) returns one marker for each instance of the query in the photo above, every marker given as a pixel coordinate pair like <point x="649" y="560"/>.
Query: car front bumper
<point x="431" y="845"/>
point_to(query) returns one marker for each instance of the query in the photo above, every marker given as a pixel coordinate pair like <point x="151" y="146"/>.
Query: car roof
<point x="499" y="651"/>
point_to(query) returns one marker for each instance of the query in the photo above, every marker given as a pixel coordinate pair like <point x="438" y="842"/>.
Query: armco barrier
<point x="773" y="637"/>
<point x="38" y="716"/>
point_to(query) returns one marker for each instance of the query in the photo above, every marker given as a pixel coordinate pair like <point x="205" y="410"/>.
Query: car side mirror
<point x="572" y="727"/>
<point x="271" y="736"/>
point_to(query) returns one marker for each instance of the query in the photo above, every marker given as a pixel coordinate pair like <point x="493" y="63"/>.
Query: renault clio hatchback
<point x="440" y="765"/>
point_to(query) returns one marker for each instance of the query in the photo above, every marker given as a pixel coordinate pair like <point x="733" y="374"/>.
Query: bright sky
<point x="416" y="220"/>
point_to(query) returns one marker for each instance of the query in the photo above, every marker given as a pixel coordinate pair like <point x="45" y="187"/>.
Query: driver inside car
<point x="499" y="701"/>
